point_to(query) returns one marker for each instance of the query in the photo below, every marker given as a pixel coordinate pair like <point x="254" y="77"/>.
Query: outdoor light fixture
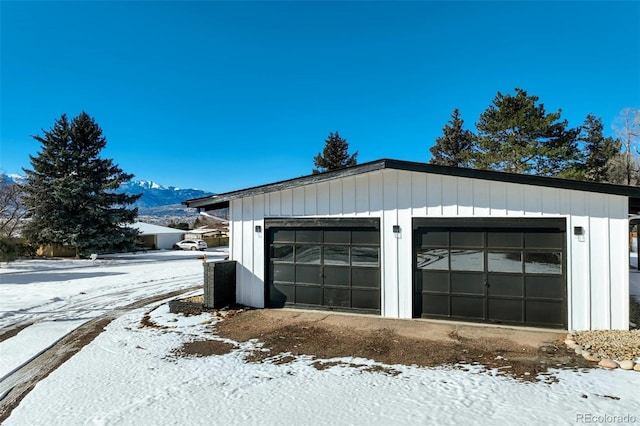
<point x="258" y="228"/>
<point x="397" y="231"/>
<point x="579" y="232"/>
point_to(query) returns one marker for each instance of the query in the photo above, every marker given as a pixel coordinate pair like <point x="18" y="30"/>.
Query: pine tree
<point x="599" y="151"/>
<point x="70" y="193"/>
<point x="335" y="155"/>
<point x="454" y="147"/>
<point x="515" y="134"/>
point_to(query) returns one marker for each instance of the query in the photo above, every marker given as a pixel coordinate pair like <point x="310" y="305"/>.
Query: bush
<point x="8" y="250"/>
<point x="13" y="248"/>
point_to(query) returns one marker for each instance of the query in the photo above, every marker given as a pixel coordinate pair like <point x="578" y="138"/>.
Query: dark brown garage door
<point x="510" y="271"/>
<point x="333" y="264"/>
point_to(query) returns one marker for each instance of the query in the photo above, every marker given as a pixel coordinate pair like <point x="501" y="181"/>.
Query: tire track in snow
<point x="39" y="313"/>
<point x="17" y="384"/>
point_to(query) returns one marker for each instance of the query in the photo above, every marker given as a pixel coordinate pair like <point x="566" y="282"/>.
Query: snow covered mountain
<point x="156" y="195"/>
<point x="157" y="200"/>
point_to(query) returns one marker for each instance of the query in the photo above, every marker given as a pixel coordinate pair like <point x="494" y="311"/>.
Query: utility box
<point x="219" y="284"/>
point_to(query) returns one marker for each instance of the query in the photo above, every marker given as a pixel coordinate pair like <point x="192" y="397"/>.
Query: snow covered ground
<point x="130" y="375"/>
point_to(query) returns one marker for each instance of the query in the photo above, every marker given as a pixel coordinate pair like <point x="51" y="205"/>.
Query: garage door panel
<point x="544" y="312"/>
<point x="433" y="304"/>
<point x="337" y="237"/>
<point x="365" y="277"/>
<point x="336" y="276"/>
<point x="283" y="272"/>
<point x="467" y="239"/>
<point x="467" y="283"/>
<point x="544" y="240"/>
<point x="308" y="274"/>
<point x="280" y="294"/>
<point x="509" y="285"/>
<point x="467" y="307"/>
<point x="434" y="281"/>
<point x="365" y="237"/>
<point x="434" y="238"/>
<point x="544" y="287"/>
<point x="504" y="239"/>
<point x="283" y="235"/>
<point x="308" y="295"/>
<point x="337" y="297"/>
<point x="365" y="299"/>
<point x="308" y="236"/>
<point x="505" y="310"/>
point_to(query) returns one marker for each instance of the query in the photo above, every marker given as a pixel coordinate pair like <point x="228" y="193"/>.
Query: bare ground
<point x="525" y="354"/>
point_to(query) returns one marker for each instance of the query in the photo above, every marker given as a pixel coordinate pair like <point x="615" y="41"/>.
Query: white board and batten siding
<point x="597" y="278"/>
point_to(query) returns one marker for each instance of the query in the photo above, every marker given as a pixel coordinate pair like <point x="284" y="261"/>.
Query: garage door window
<point x="283" y="252"/>
<point x="336" y="255"/>
<point x="467" y="260"/>
<point x="306" y="253"/>
<point x="365" y="256"/>
<point x="504" y="261"/>
<point x="434" y="259"/>
<point x="543" y="263"/>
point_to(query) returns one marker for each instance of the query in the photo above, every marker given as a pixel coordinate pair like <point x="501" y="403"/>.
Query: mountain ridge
<point x="155" y="197"/>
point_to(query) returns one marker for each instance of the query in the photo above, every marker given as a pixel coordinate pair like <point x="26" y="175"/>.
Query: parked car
<point x="190" y="245"/>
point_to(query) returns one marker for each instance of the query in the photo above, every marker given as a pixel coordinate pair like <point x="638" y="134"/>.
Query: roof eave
<point x="222" y="200"/>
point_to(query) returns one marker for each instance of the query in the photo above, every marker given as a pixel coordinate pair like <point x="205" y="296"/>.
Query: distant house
<point x="203" y="233"/>
<point x="409" y="240"/>
<point x="157" y="237"/>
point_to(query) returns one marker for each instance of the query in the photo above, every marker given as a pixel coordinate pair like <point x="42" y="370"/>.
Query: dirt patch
<point x="200" y="348"/>
<point x="12" y="331"/>
<point x="518" y="353"/>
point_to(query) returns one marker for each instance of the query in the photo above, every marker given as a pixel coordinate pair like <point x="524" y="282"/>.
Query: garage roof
<point x="222" y="200"/>
<point x="151" y="229"/>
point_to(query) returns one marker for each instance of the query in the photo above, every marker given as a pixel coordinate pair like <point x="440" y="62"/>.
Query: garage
<point x="329" y="264"/>
<point x="411" y="240"/>
<point x="510" y="271"/>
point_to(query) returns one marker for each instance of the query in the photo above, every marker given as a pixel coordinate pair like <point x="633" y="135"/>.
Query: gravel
<point x="612" y="344"/>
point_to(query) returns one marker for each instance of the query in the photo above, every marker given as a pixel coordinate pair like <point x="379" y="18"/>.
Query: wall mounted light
<point x="258" y="229"/>
<point x="397" y="231"/>
<point x="579" y="232"/>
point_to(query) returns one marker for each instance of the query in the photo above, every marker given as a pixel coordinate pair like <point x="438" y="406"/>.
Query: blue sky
<point x="227" y="95"/>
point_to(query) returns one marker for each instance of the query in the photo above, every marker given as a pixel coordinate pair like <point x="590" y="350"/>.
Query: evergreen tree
<point x="335" y="155"/>
<point x="515" y="134"/>
<point x="455" y="145"/>
<point x="70" y="193"/>
<point x="599" y="151"/>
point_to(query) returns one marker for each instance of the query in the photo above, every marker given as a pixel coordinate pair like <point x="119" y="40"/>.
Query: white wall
<point x="166" y="241"/>
<point x="597" y="266"/>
